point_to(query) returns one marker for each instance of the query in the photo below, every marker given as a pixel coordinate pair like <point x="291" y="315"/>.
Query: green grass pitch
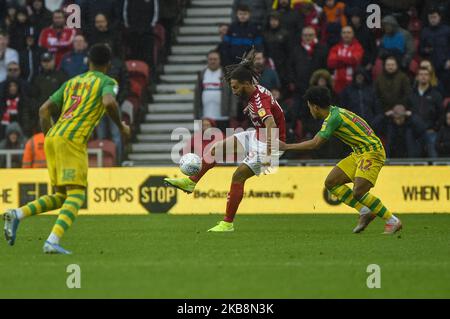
<point x="269" y="256"/>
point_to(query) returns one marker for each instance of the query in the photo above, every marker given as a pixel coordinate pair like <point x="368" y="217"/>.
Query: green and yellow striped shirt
<point x="350" y="129"/>
<point x="81" y="104"/>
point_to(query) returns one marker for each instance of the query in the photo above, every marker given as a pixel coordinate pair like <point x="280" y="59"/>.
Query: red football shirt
<point x="261" y="105"/>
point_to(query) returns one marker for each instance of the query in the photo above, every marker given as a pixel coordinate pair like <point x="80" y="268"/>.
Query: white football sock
<point x="53" y="238"/>
<point x="392" y="220"/>
<point x="19" y="213"/>
<point x="365" y="210"/>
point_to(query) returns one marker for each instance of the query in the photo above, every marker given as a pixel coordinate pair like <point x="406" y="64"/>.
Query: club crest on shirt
<point x="262" y="112"/>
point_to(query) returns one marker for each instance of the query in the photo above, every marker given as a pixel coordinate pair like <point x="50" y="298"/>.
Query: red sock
<point x="205" y="167"/>
<point x="234" y="199"/>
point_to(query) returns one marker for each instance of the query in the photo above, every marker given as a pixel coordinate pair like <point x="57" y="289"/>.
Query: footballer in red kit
<point x="258" y="146"/>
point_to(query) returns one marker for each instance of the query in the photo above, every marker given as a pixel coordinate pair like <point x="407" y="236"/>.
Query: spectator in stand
<point x="14" y="140"/>
<point x="57" y="39"/>
<point x="310" y="15"/>
<point x="241" y="36"/>
<point x="396" y="41"/>
<point x="7" y="55"/>
<point x="200" y="143"/>
<point x="19" y="30"/>
<point x="364" y="36"/>
<point x="140" y="17"/>
<point x="268" y="77"/>
<point x="260" y="10"/>
<point x="344" y="58"/>
<point x="15" y="107"/>
<point x="311" y="126"/>
<point x="289" y="19"/>
<point x="34" y="153"/>
<point x="360" y="97"/>
<point x="76" y="61"/>
<point x="102" y="33"/>
<point x="334" y="12"/>
<point x="443" y="139"/>
<point x="10" y="17"/>
<point x="334" y="20"/>
<point x="40" y="16"/>
<point x="306" y="57"/>
<point x="392" y="86"/>
<point x="435" y="45"/>
<point x="47" y="81"/>
<point x="111" y="9"/>
<point x="404" y="132"/>
<point x="277" y="46"/>
<point x="169" y="14"/>
<point x="221" y="48"/>
<point x="106" y="128"/>
<point x="14" y="73"/>
<point x="433" y="78"/>
<point x="30" y="57"/>
<point x="213" y="98"/>
<point x="426" y="102"/>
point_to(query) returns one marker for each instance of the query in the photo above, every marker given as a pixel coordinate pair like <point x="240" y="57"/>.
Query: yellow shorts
<point x="67" y="162"/>
<point x="366" y="165"/>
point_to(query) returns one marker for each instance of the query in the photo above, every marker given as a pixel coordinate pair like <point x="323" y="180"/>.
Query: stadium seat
<point x="446" y="103"/>
<point x="139" y="74"/>
<point x="377" y="69"/>
<point x="109" y="153"/>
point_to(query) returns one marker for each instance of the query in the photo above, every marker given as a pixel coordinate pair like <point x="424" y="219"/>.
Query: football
<point x="190" y="164"/>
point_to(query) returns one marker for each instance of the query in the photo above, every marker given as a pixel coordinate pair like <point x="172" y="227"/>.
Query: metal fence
<point x="98" y="152"/>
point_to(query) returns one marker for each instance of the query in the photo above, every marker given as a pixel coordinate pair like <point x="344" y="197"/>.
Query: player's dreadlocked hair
<point x="244" y="71"/>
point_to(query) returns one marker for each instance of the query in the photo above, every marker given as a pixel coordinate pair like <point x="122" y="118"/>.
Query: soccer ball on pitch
<point x="190" y="164"/>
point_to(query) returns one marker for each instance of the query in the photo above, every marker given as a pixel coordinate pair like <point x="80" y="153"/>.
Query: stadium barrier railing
<point x="98" y="152"/>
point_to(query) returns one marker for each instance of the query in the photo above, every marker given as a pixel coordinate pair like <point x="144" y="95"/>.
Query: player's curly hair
<point x="244" y="71"/>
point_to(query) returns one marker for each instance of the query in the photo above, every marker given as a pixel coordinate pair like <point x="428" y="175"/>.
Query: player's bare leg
<point x="219" y="151"/>
<point x="361" y="192"/>
<point x="240" y="176"/>
<point x="336" y="183"/>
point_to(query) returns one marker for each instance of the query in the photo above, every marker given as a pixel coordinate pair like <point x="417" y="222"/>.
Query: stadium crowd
<point x="39" y="52"/>
<point x="397" y="77"/>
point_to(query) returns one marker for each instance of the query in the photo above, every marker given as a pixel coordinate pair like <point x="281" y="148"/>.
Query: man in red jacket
<point x="344" y="58"/>
<point x="57" y="38"/>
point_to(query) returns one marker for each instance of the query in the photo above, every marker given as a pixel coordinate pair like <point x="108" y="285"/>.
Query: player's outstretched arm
<point x="310" y="145"/>
<point x="112" y="108"/>
<point x="45" y="115"/>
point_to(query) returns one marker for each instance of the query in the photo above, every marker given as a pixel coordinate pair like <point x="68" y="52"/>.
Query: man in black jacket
<point x="426" y="102"/>
<point x="404" y="132"/>
<point x="112" y="9"/>
<point x="140" y="17"/>
<point x="365" y="37"/>
<point x="360" y="97"/>
<point x="241" y="36"/>
<point x="306" y="57"/>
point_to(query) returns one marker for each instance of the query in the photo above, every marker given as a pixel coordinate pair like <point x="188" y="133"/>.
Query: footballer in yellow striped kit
<point x="361" y="167"/>
<point x="82" y="101"/>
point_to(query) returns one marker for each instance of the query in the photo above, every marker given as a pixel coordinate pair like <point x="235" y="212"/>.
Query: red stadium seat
<point x="377" y="69"/>
<point x="446" y="103"/>
<point x="109" y="153"/>
<point x="139" y="74"/>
